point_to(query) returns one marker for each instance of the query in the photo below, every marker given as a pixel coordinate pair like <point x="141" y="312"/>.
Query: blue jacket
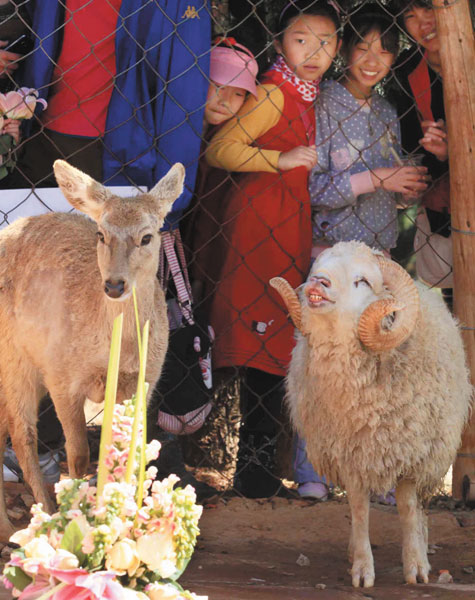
<point x="155" y="116"/>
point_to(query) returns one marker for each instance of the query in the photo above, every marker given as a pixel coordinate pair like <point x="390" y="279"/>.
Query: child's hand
<point x="301" y="156"/>
<point x="409" y="181"/>
<point x="435" y="138"/>
<point x="12" y="127"/>
<point x="7" y="60"/>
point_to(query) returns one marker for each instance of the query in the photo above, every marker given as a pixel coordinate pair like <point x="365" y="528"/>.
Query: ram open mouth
<point x="316" y="298"/>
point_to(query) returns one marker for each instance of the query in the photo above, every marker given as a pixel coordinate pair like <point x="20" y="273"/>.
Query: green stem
<point x="138" y="408"/>
<point x="137" y="323"/>
<point x="109" y="402"/>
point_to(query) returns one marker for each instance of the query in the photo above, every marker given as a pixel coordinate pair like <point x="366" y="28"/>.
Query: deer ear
<point x="168" y="189"/>
<point x="80" y="190"/>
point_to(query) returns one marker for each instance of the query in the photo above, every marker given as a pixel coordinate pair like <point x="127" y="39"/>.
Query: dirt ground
<point x="251" y="550"/>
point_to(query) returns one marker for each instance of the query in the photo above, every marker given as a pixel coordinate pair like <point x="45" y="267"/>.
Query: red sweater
<point x="83" y="78"/>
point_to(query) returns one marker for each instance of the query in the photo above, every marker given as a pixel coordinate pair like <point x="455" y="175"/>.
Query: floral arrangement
<point x="128" y="537"/>
<point x="15" y="105"/>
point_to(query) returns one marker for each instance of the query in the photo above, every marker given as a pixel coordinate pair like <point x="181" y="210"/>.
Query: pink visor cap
<point x="229" y="66"/>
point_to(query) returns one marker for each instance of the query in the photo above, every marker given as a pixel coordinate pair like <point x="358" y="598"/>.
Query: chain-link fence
<point x="133" y="87"/>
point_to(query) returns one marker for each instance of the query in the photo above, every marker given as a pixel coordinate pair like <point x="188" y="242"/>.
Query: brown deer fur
<point x="63" y="280"/>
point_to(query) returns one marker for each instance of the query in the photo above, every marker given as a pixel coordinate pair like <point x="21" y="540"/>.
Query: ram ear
<point x="290" y="298"/>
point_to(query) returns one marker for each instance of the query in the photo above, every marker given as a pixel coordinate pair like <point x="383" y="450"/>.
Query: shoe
<point x="49" y="465"/>
<point x="313" y="490"/>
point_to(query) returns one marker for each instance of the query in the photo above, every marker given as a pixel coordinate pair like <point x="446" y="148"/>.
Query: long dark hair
<point x="370" y="19"/>
<point x="295" y="8"/>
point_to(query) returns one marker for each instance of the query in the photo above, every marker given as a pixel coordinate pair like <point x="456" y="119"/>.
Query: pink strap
<point x="170" y="239"/>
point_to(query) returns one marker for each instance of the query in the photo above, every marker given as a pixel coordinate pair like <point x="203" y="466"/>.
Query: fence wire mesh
<point x="128" y="85"/>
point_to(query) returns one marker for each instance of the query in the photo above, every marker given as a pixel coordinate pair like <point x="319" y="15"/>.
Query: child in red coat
<point x="267" y="227"/>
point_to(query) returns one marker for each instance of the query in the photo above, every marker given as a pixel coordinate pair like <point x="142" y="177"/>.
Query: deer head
<point x="128" y="229"/>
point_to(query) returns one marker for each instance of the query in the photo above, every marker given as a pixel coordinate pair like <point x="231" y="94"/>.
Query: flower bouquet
<point x="15" y="105"/>
<point x="129" y="537"/>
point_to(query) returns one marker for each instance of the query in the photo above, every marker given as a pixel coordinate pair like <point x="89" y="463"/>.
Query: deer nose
<point x="114" y="288"/>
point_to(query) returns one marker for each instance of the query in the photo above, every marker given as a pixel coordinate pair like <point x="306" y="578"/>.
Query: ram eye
<point x="362" y="280"/>
<point x="146" y="239"/>
<point x="100" y="237"/>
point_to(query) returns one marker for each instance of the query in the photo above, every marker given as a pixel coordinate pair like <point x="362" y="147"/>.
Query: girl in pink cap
<point x="232" y="73"/>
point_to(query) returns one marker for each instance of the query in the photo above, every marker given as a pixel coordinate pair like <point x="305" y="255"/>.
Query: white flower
<point x="158" y="591"/>
<point x="152" y="450"/>
<point x="122" y="557"/>
<point x="64" y="560"/>
<point x="157" y="551"/>
<point x="39" y="548"/>
<point x="63" y="485"/>
<point x="22" y="537"/>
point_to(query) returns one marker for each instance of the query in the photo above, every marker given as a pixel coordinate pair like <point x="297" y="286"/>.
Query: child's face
<point x="368" y="63"/>
<point x="223" y="102"/>
<point x="309" y="45"/>
<point x="420" y="24"/>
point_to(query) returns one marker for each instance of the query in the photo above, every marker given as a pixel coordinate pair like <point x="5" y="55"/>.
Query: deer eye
<point x="100" y="237"/>
<point x="146" y="239"/>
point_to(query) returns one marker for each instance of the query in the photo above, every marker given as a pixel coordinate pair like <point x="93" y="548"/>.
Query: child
<point x="354" y="185"/>
<point x="420" y="104"/>
<point x="232" y="75"/>
<point x="268" y="228"/>
<point x="232" y="72"/>
<point x="353" y="188"/>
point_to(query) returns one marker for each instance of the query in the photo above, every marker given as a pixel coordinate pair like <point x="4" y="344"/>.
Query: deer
<point x="64" y="278"/>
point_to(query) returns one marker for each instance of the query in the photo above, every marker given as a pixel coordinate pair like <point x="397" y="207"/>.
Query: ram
<point x="63" y="280"/>
<point x="379" y="388"/>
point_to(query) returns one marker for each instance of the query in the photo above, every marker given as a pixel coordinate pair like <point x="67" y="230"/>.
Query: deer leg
<point x="362" y="570"/>
<point x="22" y="393"/>
<point x="6" y="527"/>
<point x="416" y="566"/>
<point x="70" y="411"/>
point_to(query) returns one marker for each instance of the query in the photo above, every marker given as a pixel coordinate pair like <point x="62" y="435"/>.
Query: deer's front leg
<point x="362" y="570"/>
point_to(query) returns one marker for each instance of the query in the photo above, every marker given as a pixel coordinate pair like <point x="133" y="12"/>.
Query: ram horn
<point x="290" y="298"/>
<point x="404" y="303"/>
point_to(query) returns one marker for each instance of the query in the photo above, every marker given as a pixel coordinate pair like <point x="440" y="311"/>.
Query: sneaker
<point x="49" y="465"/>
<point x="313" y="490"/>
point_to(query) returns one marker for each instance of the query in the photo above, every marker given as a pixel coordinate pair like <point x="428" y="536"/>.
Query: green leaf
<point x="3" y="171"/>
<point x="17" y="577"/>
<point x="6" y="143"/>
<point x="178" y="573"/>
<point x="72" y="540"/>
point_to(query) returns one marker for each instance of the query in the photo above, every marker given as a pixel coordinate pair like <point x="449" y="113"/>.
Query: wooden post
<point x="457" y="51"/>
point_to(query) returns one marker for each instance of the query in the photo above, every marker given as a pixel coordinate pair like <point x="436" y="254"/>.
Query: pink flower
<point x="20" y="104"/>
<point x="37" y="588"/>
<point x="82" y="585"/>
<point x="119" y="472"/>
